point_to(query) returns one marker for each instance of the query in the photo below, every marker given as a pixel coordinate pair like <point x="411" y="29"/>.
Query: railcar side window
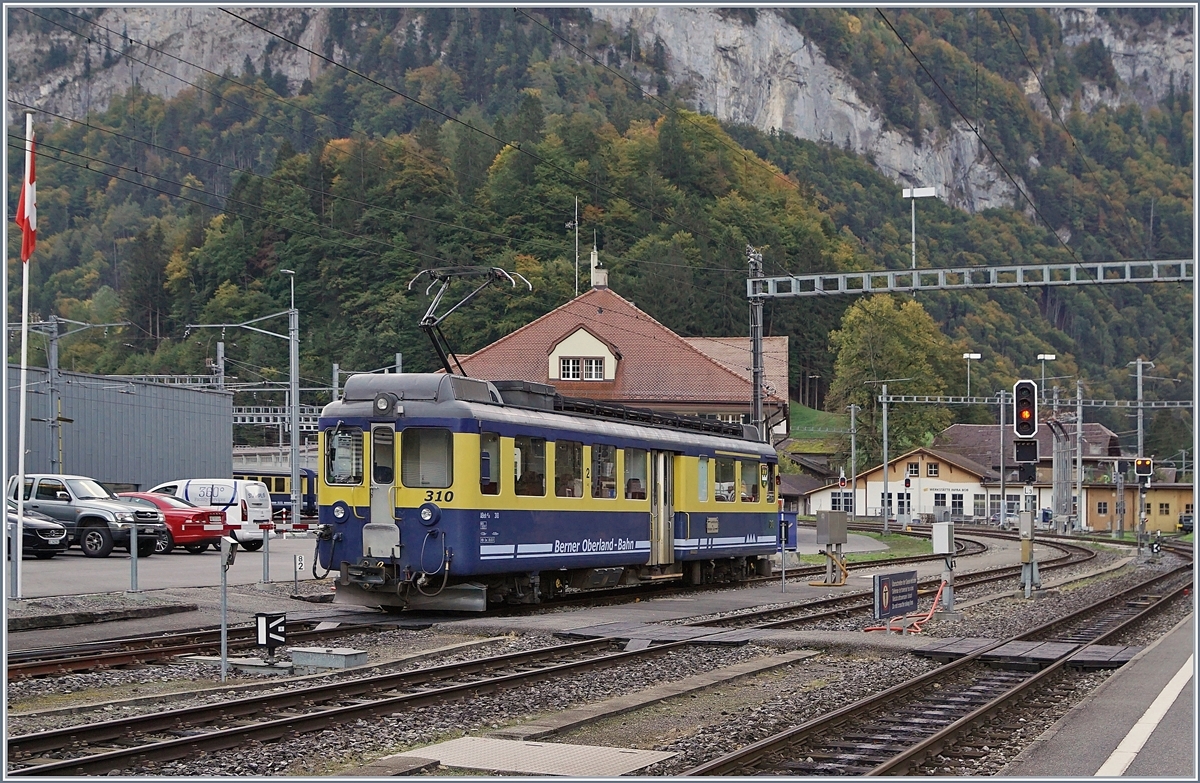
<point x="726" y="480"/>
<point x="529" y="456"/>
<point x="489" y="463"/>
<point x="749" y="481"/>
<point x="636" y="481"/>
<point x="568" y="469"/>
<point x="702" y="485"/>
<point x="604" y="471"/>
<point x="426" y="458"/>
<point x="344" y="456"/>
<point x="769" y="470"/>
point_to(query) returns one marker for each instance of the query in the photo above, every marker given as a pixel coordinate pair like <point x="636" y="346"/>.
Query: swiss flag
<point x="27" y="204"/>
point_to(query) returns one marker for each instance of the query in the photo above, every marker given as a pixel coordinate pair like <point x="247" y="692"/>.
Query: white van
<point x="246" y="504"/>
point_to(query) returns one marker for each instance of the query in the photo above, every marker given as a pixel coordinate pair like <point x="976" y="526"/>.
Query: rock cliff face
<point x="765" y="74"/>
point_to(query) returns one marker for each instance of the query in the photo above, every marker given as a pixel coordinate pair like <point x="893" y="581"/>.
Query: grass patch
<point x="898" y="546"/>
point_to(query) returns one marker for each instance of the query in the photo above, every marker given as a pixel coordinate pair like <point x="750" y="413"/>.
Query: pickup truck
<point x="95" y="519"/>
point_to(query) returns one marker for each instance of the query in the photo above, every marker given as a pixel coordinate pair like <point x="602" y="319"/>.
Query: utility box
<point x="943" y="538"/>
<point x="1026" y="525"/>
<point x="831" y="527"/>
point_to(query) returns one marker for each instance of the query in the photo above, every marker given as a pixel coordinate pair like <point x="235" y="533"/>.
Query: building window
<point x="993" y="503"/>
<point x="914" y="469"/>
<point x="593" y="369"/>
<point x="1188" y="508"/>
<point x="956" y="505"/>
<point x="842" y="501"/>
<point x="931" y="470"/>
<point x="939" y="499"/>
<point x="568" y="369"/>
<point x="1102" y="507"/>
<point x="980" y="505"/>
<point x="1012" y="504"/>
<point x="1164" y="509"/>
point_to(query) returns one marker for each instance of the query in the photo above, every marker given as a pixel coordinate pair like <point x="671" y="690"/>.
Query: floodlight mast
<point x="431" y="324"/>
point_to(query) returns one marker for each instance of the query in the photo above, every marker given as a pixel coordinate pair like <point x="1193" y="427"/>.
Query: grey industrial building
<point x="122" y="432"/>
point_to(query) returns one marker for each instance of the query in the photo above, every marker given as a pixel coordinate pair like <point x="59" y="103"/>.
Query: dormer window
<point x="575" y="369"/>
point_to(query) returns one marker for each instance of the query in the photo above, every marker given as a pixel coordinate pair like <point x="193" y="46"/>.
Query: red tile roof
<point x="656" y="365"/>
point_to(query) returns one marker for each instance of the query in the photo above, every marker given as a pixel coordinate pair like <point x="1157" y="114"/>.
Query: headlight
<point x="162" y="517"/>
<point x="339" y="511"/>
<point x="125" y="516"/>
<point x="426" y="513"/>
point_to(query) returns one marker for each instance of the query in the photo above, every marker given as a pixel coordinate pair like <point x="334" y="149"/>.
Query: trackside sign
<point x="895" y="594"/>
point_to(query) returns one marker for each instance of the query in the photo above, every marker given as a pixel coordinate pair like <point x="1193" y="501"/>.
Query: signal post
<point x="1025" y="447"/>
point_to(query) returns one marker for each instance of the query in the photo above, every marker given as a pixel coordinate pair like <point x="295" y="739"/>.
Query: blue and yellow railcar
<point x="445" y="492"/>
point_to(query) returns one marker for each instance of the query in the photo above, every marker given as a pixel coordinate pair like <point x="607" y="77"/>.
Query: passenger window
<point x="604" y="471"/>
<point x="749" y="481"/>
<point x="726" y="480"/>
<point x="489" y="463"/>
<point x="427" y="458"/>
<point x="702" y="480"/>
<point x="281" y="484"/>
<point x="568" y="469"/>
<point x="529" y="465"/>
<point x="636" y="462"/>
<point x="48" y="489"/>
<point x="343" y="456"/>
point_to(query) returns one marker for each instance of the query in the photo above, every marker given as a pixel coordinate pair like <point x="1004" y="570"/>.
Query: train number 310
<point x="439" y="496"/>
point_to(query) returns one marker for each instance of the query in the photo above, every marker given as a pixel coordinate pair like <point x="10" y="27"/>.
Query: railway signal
<point x="1025" y="421"/>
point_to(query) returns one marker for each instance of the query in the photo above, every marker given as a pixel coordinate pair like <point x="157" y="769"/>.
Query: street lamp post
<point x="969" y="357"/>
<point x="1043" y="358"/>
<point x="914" y="194"/>
<point x="854" y="409"/>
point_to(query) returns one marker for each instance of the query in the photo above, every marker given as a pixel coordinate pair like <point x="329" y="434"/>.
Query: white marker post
<point x="297" y="567"/>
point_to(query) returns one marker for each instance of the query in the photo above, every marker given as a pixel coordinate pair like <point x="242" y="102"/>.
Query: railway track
<point x="150" y="648"/>
<point x="842" y="605"/>
<point x="146" y="649"/>
<point x="895" y="732"/>
<point x="102" y="748"/>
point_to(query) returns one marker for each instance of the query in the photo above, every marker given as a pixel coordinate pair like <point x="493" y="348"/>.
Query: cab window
<point x="48" y="489"/>
<point x="768" y="472"/>
<point x="427" y="458"/>
<point x="529" y="465"/>
<point x="344" y="456"/>
<point x="702" y="480"/>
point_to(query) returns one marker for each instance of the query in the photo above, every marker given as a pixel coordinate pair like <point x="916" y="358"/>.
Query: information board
<point x="895" y="594"/>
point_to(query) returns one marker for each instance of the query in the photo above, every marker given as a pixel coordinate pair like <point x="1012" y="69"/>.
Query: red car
<point x="189" y="526"/>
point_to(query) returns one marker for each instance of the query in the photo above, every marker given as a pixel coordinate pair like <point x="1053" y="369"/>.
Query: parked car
<point x="95" y="519"/>
<point x="1010" y="521"/>
<point x="190" y="526"/>
<point x="41" y="536"/>
<point x="1186" y="523"/>
<point x="247" y="504"/>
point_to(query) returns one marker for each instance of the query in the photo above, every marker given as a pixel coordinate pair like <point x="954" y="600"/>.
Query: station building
<point x="601" y="346"/>
<point x="126" y="433"/>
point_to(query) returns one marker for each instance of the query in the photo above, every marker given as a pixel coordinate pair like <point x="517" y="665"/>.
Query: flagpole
<point x="29" y="203"/>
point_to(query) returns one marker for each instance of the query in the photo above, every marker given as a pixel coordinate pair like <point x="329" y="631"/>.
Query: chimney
<point x="599" y="273"/>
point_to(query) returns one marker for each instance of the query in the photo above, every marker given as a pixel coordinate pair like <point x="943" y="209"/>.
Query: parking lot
<point x="72" y="573"/>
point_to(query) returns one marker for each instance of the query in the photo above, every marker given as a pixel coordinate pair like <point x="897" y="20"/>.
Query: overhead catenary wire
<point x="983" y="141"/>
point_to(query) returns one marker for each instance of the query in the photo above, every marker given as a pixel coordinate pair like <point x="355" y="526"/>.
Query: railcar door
<point x="662" y="509"/>
<point x="381" y="536"/>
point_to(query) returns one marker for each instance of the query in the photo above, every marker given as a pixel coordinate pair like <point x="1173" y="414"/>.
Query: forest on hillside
<point x="465" y="136"/>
